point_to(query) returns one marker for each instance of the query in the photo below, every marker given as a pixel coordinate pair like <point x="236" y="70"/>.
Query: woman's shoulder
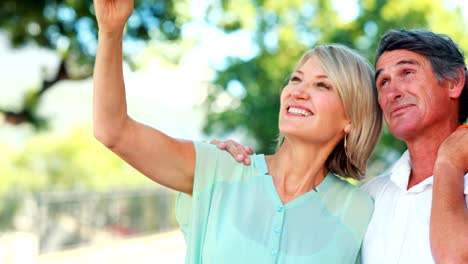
<point x="353" y="205"/>
<point x="350" y="198"/>
<point x="207" y="153"/>
<point x="351" y="190"/>
<point x="221" y="163"/>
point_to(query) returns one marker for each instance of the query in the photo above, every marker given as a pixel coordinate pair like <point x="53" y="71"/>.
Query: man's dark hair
<point x="445" y="56"/>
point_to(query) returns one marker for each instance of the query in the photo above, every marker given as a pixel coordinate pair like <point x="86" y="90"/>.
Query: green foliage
<point x="279" y="29"/>
<point x="64" y="162"/>
<point x="8" y="207"/>
<point x="283" y="30"/>
<point x="50" y="162"/>
<point x="70" y="28"/>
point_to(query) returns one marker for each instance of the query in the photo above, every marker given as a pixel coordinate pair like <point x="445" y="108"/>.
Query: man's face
<point x="411" y="98"/>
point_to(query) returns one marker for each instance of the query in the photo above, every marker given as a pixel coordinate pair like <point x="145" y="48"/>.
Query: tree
<point x="282" y="31"/>
<point x="245" y="94"/>
<point x="69" y="27"/>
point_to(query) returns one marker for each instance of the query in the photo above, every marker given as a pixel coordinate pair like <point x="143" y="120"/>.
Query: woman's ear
<point x="347" y="128"/>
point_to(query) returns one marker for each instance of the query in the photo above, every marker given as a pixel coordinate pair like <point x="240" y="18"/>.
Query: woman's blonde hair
<point x="353" y="77"/>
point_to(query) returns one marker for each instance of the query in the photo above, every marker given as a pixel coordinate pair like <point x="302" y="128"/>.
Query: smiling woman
<point x="295" y="191"/>
<point x="319" y="81"/>
<point x="307" y="214"/>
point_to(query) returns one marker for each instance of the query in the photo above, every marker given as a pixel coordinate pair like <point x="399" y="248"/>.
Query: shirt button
<point x="277" y="229"/>
<point x="274" y="252"/>
<point x="280" y="209"/>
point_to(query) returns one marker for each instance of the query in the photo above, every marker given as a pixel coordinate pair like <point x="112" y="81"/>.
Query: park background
<point x="199" y="69"/>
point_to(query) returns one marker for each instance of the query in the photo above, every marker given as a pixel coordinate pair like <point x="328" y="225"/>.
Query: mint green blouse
<point x="236" y="216"/>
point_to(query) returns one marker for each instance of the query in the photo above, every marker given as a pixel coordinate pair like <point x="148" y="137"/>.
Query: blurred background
<point x="200" y="69"/>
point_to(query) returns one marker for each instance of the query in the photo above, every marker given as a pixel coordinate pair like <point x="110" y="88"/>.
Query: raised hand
<point x="238" y="152"/>
<point x="449" y="215"/>
<point x="454" y="151"/>
<point x="161" y="158"/>
<point x="112" y="14"/>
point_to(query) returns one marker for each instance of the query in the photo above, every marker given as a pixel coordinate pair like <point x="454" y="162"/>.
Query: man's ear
<point x="456" y="85"/>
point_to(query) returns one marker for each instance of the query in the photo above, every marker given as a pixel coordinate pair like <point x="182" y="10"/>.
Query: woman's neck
<point x="297" y="169"/>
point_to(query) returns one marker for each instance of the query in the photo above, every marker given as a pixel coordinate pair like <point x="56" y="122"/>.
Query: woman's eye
<point x="295" y="79"/>
<point x="323" y="85"/>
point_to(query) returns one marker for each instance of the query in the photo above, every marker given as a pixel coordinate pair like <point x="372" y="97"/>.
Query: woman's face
<point x="311" y="108"/>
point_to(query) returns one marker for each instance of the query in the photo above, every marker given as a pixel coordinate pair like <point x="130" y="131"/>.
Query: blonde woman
<point x="289" y="207"/>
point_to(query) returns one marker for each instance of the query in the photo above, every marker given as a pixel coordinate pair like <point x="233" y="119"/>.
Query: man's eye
<point x="383" y="82"/>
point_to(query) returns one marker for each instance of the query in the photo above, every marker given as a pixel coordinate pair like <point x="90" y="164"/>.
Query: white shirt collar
<point x="401" y="172"/>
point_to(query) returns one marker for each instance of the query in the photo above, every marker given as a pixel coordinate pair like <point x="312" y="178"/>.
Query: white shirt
<point x="398" y="232"/>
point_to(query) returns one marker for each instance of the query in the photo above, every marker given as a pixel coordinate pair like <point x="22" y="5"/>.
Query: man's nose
<point x="393" y="91"/>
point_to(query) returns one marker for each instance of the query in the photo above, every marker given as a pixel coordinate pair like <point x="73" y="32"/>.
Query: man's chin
<point x="404" y="133"/>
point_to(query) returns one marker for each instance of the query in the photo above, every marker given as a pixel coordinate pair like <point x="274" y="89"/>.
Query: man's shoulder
<point x="374" y="186"/>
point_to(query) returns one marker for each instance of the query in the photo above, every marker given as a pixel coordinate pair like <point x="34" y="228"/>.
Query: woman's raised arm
<point x="165" y="160"/>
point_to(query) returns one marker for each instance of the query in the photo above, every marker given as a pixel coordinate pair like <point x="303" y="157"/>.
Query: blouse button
<point x="274" y="252"/>
<point x="277" y="229"/>
<point x="279" y="209"/>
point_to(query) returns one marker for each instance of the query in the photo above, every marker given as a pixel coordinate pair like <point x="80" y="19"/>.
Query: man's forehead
<point x="399" y="57"/>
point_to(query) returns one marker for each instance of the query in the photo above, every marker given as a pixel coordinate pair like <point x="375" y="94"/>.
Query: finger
<point x="248" y="150"/>
<point x="238" y="146"/>
<point x="222" y="145"/>
<point x="233" y="148"/>
<point x="214" y="142"/>
<point x="230" y="148"/>
<point x="219" y="144"/>
<point x="247" y="161"/>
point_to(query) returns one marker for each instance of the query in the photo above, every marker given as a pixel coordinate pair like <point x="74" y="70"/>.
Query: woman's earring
<point x="345" y="136"/>
<point x="346" y="147"/>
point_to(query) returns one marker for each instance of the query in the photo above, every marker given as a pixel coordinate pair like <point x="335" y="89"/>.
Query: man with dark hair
<point x="421" y="83"/>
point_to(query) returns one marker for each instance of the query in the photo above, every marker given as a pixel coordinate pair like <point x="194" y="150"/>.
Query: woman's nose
<point x="300" y="93"/>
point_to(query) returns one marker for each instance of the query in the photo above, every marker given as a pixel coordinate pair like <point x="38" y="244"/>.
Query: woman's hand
<point x="449" y="215"/>
<point x="112" y="14"/>
<point x="454" y="152"/>
<point x="239" y="152"/>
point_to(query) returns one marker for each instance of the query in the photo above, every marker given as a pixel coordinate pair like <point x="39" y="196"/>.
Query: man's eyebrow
<point x="412" y="62"/>
<point x="402" y="62"/>
<point x="377" y="73"/>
